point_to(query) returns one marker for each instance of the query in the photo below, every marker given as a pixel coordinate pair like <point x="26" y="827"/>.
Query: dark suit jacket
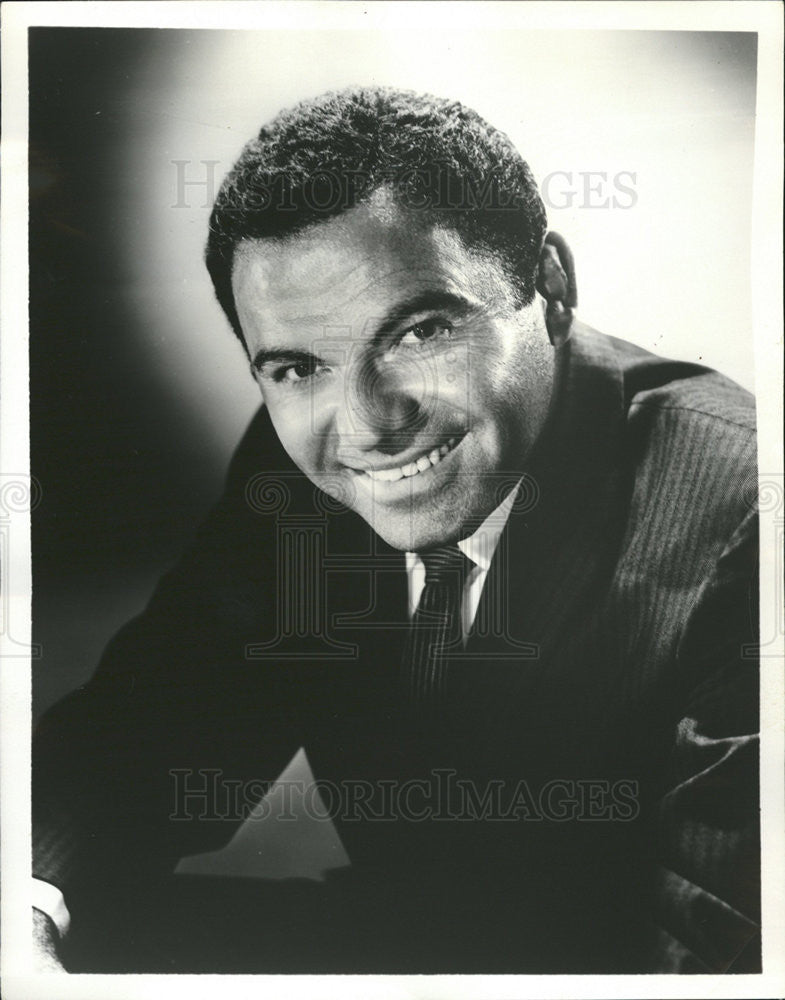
<point x="608" y="693"/>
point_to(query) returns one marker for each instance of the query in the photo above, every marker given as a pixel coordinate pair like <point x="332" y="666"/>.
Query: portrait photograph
<point x="392" y="500"/>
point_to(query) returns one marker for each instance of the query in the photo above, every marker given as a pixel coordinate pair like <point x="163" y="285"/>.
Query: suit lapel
<point x="557" y="549"/>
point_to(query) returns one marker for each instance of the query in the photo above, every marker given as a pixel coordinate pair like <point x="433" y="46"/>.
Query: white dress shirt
<point x="479" y="547"/>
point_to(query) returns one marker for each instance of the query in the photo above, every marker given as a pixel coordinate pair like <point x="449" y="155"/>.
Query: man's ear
<point x="556" y="284"/>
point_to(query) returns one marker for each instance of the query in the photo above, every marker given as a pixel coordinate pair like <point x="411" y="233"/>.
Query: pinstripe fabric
<point x="623" y="647"/>
<point x="435" y="630"/>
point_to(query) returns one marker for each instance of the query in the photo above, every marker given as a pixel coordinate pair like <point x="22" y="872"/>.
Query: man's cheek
<point x="452" y="392"/>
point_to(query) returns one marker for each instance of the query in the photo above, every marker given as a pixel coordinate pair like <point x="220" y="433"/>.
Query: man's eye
<point x="296" y="373"/>
<point x="299" y="371"/>
<point x="428" y="329"/>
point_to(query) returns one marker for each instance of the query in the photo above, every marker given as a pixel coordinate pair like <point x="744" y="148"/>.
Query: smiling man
<point x="395" y="362"/>
<point x="494" y="571"/>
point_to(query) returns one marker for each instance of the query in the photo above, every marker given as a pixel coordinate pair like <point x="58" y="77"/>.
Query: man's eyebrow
<point x="422" y="302"/>
<point x="282" y="355"/>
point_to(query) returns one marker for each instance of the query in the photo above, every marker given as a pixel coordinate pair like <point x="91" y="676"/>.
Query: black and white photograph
<point x="392" y="501"/>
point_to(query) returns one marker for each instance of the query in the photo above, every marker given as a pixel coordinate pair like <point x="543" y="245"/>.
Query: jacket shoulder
<point x="663" y="384"/>
<point x="691" y="439"/>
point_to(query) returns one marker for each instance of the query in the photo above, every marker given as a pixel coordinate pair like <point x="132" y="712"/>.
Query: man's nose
<point x="378" y="411"/>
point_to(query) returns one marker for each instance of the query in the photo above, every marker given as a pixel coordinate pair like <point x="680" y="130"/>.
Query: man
<point x="473" y="556"/>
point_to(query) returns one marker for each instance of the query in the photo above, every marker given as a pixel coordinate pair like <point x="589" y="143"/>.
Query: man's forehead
<point x="367" y="256"/>
<point x="363" y="235"/>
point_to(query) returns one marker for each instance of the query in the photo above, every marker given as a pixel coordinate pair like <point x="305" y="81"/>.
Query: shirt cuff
<point x="49" y="900"/>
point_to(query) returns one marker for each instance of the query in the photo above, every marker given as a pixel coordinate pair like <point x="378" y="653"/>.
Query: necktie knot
<point x="446" y="564"/>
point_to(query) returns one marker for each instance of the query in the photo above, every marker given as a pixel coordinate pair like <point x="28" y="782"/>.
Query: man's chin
<point x="412" y="524"/>
<point x="414" y="534"/>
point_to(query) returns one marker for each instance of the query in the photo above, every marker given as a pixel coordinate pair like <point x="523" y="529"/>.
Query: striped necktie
<point x="436" y="629"/>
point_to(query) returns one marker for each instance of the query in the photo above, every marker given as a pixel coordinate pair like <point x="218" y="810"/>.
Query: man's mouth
<point x="422" y="463"/>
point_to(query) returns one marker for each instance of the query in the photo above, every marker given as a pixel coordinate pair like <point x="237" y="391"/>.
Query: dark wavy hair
<point x="326" y="155"/>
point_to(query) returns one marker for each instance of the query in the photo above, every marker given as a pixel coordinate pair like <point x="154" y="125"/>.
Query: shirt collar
<point x="481" y="546"/>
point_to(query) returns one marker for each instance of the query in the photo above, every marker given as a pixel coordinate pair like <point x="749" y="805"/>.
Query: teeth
<point x="389" y="475"/>
<point x="412" y="468"/>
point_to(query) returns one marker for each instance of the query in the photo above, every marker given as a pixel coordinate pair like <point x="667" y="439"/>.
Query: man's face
<point x="396" y="369"/>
